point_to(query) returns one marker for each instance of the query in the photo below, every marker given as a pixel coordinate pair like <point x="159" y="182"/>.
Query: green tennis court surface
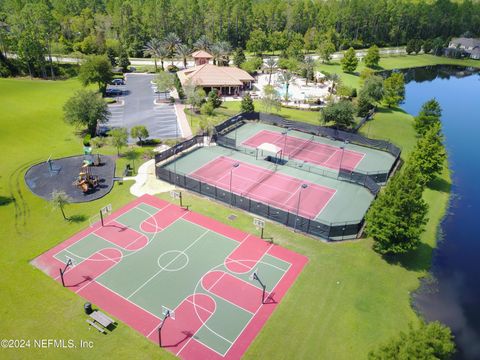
<point x="153" y="255"/>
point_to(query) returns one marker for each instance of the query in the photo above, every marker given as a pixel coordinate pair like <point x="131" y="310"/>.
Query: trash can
<point x="88" y="308"/>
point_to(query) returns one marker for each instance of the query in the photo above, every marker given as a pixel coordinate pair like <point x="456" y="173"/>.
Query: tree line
<point x="34" y="28"/>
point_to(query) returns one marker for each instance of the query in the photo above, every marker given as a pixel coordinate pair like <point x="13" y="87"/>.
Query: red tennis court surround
<point x="313" y="152"/>
<point x="278" y="190"/>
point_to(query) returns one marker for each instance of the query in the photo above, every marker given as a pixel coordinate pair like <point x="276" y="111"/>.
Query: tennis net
<point x="301" y="147"/>
<point x="269" y="171"/>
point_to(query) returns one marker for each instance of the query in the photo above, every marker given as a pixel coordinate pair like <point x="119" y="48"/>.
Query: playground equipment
<point x="86" y="181"/>
<point x="90" y="159"/>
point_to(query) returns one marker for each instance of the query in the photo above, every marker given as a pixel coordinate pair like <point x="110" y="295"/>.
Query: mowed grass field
<point x="347" y="300"/>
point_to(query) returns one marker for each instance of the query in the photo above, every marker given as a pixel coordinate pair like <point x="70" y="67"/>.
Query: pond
<point x="453" y="297"/>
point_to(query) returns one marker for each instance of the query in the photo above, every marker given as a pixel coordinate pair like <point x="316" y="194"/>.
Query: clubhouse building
<point x="228" y="80"/>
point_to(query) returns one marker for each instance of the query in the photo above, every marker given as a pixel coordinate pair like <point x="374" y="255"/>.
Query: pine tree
<point x="428" y="116"/>
<point x="429" y="154"/>
<point x="373" y="57"/>
<point x="398" y="217"/>
<point x="247" y="103"/>
<point x="349" y="61"/>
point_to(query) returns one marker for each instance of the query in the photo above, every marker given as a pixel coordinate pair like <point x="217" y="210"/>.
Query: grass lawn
<point x="394" y="62"/>
<point x="347" y="300"/>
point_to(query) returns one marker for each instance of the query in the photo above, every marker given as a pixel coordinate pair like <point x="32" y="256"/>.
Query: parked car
<point x="113" y="92"/>
<point x="118" y="82"/>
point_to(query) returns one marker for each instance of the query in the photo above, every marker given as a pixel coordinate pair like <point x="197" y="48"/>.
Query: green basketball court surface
<point x="218" y="283"/>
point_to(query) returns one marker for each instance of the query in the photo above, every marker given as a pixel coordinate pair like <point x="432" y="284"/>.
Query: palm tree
<point x="163" y="54"/>
<point x="271" y="64"/>
<point x="215" y="50"/>
<point x="171" y="42"/>
<point x="335" y="79"/>
<point x="59" y="200"/>
<point x="184" y="50"/>
<point x="286" y="78"/>
<point x="224" y="51"/>
<point x="152" y="49"/>
<point x="309" y="66"/>
<point x="203" y="43"/>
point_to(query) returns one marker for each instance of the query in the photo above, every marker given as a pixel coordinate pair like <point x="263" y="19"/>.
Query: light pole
<point x="284" y="133"/>
<point x="304" y="186"/>
<point x="341" y="158"/>
<point x="235" y="165"/>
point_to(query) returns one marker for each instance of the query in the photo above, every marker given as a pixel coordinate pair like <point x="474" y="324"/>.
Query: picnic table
<point x="101" y="318"/>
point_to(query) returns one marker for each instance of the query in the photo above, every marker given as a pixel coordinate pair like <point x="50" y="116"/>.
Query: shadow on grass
<point x="418" y="260"/>
<point x="439" y="184"/>
<point x="387" y="110"/>
<point x="5" y="200"/>
<point x="77" y="218"/>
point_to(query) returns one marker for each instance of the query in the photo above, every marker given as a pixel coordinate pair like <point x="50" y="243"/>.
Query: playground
<point x="83" y="178"/>
<point x="192" y="285"/>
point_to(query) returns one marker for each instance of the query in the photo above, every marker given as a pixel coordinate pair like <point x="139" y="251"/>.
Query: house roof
<point x="201" y="54"/>
<point x="467" y="42"/>
<point x="212" y="75"/>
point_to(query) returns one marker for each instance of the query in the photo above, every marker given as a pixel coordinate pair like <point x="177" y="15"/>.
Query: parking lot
<point x="139" y="108"/>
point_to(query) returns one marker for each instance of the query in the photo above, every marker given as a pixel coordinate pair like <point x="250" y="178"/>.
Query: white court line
<point x="215" y="283"/>
<point x="170" y="262"/>
<point x="98" y="275"/>
<point x="198" y="306"/>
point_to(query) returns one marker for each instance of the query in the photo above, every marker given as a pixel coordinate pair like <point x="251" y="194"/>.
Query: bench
<point x="101" y="318"/>
<point x="99" y="328"/>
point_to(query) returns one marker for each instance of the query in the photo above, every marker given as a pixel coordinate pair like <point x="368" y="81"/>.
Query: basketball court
<point x="196" y="287"/>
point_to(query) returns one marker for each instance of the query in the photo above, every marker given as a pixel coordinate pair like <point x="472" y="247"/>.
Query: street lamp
<point x="341" y="158"/>
<point x="304" y="186"/>
<point x="234" y="166"/>
<point x="284" y="133"/>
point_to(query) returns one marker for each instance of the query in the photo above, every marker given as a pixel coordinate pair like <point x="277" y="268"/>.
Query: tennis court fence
<point x="178" y="148"/>
<point x="326" y="230"/>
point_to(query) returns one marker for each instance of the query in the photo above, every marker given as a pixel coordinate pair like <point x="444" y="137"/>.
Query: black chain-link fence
<point x="325" y="230"/>
<point x="178" y="148"/>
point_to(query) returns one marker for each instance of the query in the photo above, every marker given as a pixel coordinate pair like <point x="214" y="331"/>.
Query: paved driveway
<point x="139" y="109"/>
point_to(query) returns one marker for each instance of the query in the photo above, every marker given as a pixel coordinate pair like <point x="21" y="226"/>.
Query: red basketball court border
<point x="194" y="309"/>
<point x="314" y="153"/>
<point x="267" y="186"/>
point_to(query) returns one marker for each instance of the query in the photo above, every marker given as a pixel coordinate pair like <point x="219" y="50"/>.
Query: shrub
<point x="207" y="109"/>
<point x="172" y="68"/>
<point x="214" y="99"/>
<point x="86" y="140"/>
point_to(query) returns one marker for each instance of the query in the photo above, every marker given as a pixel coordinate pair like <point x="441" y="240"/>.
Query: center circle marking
<point x="173" y="260"/>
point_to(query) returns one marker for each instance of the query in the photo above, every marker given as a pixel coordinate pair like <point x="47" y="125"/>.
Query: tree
<point x="278" y="41"/>
<point x="214" y="99"/>
<point x="239" y="57"/>
<point x="171" y="42"/>
<point x="207" y="109"/>
<point x="336" y="81"/>
<point x="96" y="69"/>
<point x="429" y="154"/>
<point x="341" y="114"/>
<point x="123" y="60"/>
<point x="164" y="81"/>
<point x="309" y="67"/>
<point x="437" y="46"/>
<point x="203" y="43"/>
<point x="60" y="200"/>
<point x="152" y="49"/>
<point x="326" y="50"/>
<point x="394" y="89"/>
<point x="118" y="138"/>
<point x="295" y="48"/>
<point x="372" y="89"/>
<point x="429" y="341"/>
<point x="184" y="51"/>
<point x="349" y="61"/>
<point x="86" y="108"/>
<point x="310" y="39"/>
<point x="271" y="64"/>
<point x="427" y="46"/>
<point x="258" y="42"/>
<point x="285" y="78"/>
<point x="196" y="97"/>
<point x="139" y="132"/>
<point x="410" y="48"/>
<point x="373" y="57"/>
<point x="428" y="116"/>
<point x="252" y="65"/>
<point x="398" y="216"/>
<point x="270" y="99"/>
<point x="247" y="103"/>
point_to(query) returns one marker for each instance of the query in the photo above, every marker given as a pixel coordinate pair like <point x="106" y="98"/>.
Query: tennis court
<point x="153" y="255"/>
<point x="308" y="150"/>
<point x="266" y="185"/>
